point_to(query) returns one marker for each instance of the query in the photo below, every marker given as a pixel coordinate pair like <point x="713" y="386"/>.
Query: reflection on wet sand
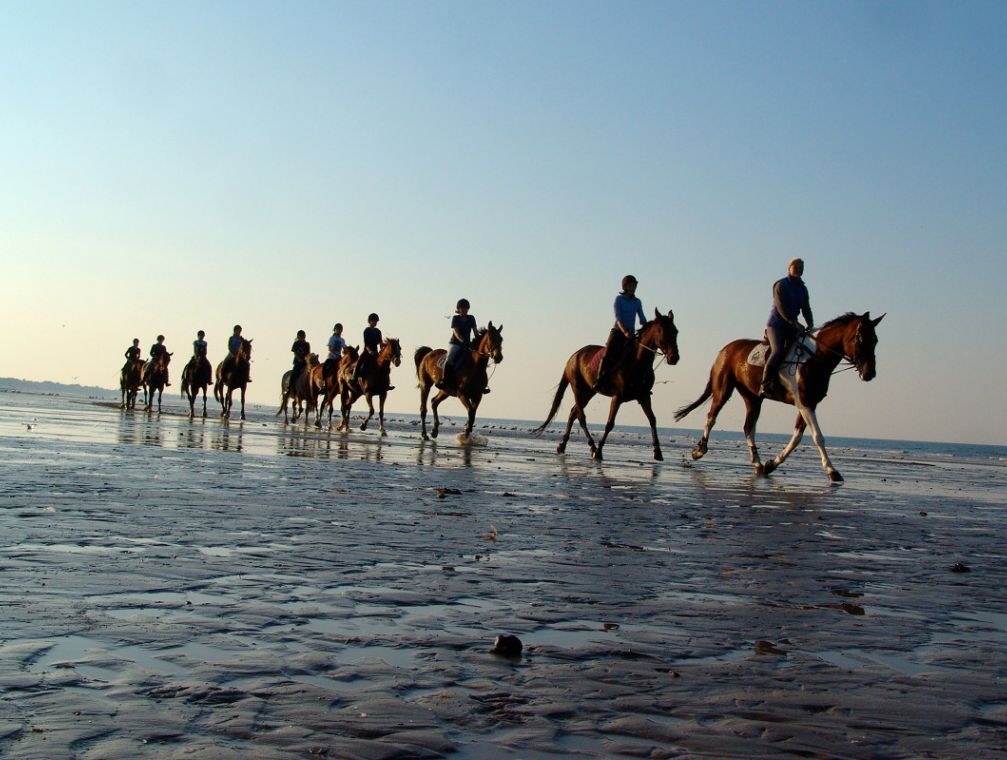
<point x="227" y="438"/>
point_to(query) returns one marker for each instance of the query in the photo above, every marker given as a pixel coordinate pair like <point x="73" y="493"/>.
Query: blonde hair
<point x="795" y="260"/>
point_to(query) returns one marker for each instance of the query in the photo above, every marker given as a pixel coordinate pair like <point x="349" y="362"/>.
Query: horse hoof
<point x="697" y="453"/>
<point x="596" y="455"/>
<point x="561" y="449"/>
<point x="835" y="477"/>
<point x="658" y="456"/>
<point x="768" y="468"/>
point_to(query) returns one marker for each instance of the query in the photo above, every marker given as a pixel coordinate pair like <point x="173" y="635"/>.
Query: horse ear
<point x="500" y="329"/>
<point x="657" y="314"/>
<point x="490" y="325"/>
<point x="875" y="321"/>
<point x="671" y="314"/>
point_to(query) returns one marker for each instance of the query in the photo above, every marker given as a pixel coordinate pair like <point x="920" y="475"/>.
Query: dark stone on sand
<point x="506" y="645"/>
<point x="767" y="647"/>
<point x="958" y="567"/>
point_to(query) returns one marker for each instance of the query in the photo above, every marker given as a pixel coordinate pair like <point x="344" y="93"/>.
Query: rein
<point x="803" y="349"/>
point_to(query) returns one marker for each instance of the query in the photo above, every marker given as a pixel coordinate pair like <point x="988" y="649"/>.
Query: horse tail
<point x="682" y="412"/>
<point x="418" y="357"/>
<point x="556" y="400"/>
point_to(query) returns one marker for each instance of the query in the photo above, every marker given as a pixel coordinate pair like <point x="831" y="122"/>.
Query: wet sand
<point x="209" y="590"/>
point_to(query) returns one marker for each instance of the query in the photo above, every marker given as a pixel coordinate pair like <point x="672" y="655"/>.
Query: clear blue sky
<point x="175" y="166"/>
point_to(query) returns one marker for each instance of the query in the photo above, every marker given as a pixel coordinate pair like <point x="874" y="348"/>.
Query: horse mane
<point x="844" y="319"/>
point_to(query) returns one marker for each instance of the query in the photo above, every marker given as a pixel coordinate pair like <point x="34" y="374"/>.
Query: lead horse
<point x="851" y="337"/>
<point x="233" y="374"/>
<point x="632" y="380"/>
<point x="471" y="377"/>
<point x="375" y="381"/>
<point x="197" y="375"/>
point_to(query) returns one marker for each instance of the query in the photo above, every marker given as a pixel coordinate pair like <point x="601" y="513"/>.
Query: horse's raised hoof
<point x="363" y="426"/>
<point x="835" y="477"/>
<point x="697" y="453"/>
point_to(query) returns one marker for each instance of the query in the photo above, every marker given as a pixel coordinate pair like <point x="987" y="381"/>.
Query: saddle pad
<point x="442" y="361"/>
<point x="596" y="360"/>
<point x="759" y="354"/>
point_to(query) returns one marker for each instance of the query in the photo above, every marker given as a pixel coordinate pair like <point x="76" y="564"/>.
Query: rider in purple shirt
<point x="790" y="299"/>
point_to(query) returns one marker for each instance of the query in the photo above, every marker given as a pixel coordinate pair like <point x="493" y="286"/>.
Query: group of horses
<point x="805" y="377"/>
<point x="152" y="376"/>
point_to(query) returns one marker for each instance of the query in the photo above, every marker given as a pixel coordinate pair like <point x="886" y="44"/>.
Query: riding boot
<point x="447" y="381"/>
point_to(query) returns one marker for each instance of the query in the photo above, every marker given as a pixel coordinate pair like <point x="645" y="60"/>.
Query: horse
<point x="196" y="376"/>
<point x="471" y="376"/>
<point x="233" y="374"/>
<point x="130" y="379"/>
<point x="303" y="390"/>
<point x="155" y="376"/>
<point x="374" y="382"/>
<point x="327" y="381"/>
<point x="630" y="381"/>
<point x="850" y="337"/>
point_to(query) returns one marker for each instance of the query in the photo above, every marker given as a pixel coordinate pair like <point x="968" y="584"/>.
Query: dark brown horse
<point x="233" y="373"/>
<point x="375" y="381"/>
<point x="130" y="379"/>
<point x="155" y="377"/>
<point x="304" y="392"/>
<point x="632" y="380"/>
<point x="471" y="376"/>
<point x="326" y="379"/>
<point x="805" y="382"/>
<point x="196" y="376"/>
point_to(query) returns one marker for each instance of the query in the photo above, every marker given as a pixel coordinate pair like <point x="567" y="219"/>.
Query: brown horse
<point x="196" y="376"/>
<point x="805" y="381"/>
<point x="326" y="379"/>
<point x="304" y="391"/>
<point x="375" y="381"/>
<point x="471" y="376"/>
<point x="155" y="377"/>
<point x="233" y="374"/>
<point x="130" y="379"/>
<point x="630" y="381"/>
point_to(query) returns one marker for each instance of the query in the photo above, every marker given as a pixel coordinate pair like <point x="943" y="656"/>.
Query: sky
<point x="169" y="167"/>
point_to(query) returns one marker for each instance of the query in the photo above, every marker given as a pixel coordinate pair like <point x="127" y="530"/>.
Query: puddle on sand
<point x="76" y="652"/>
<point x="858" y="659"/>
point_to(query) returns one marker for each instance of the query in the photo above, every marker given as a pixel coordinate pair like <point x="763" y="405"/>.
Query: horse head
<point x="246" y="349"/>
<point x="392" y="351"/>
<point x="491" y="343"/>
<point x="859" y="344"/>
<point x="853" y="337"/>
<point x="660" y="334"/>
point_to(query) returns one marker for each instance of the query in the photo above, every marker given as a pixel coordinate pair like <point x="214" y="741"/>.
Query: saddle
<point x="798" y="352"/>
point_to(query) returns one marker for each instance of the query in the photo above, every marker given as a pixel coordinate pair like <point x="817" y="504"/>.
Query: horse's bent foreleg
<point x="370" y="411"/>
<point x="648" y="410"/>
<point x="799" y="424"/>
<point x="441" y="395"/>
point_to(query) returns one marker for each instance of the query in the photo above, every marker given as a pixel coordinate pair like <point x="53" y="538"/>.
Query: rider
<point x="623" y="333"/>
<point x="300" y="349"/>
<point x="790" y="298"/>
<point x="233" y="345"/>
<point x="199" y="348"/>
<point x="132" y="353"/>
<point x="336" y="345"/>
<point x="463" y="326"/>
<point x="159" y="349"/>
<point x="372" y="345"/>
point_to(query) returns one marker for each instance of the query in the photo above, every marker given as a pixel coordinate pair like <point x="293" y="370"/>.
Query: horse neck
<point x="647" y="341"/>
<point x="829" y="346"/>
<point x="483" y="350"/>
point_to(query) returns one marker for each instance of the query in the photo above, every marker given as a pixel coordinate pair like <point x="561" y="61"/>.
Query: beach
<point x="204" y="589"/>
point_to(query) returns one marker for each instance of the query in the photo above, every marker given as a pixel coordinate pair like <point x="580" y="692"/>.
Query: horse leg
<point x="242" y="402"/>
<point x="381" y="415"/>
<point x="471" y="406"/>
<point x="424" y="394"/>
<point x="581" y="397"/>
<point x="753" y="406"/>
<point x="370" y="411"/>
<point x="720" y="397"/>
<point x="613" y="410"/>
<point x="648" y="410"/>
<point x="441" y="395"/>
